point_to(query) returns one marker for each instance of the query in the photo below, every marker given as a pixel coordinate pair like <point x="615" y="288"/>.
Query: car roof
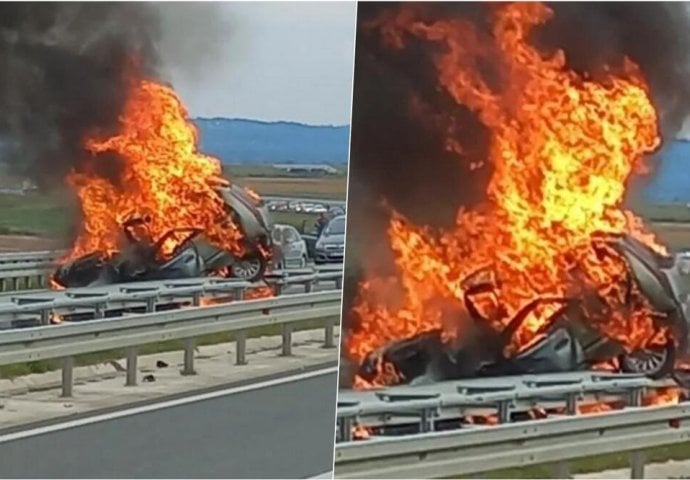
<point x="284" y="226"/>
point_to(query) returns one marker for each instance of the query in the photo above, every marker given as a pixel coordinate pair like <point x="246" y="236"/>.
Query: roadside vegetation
<point x="599" y="463"/>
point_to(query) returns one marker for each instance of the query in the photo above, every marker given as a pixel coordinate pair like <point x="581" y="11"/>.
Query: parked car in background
<point x="289" y="248"/>
<point x="329" y="247"/>
<point x="336" y="210"/>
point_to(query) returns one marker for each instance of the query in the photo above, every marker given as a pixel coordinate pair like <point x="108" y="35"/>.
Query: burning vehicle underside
<point x="194" y="255"/>
<point x="564" y="343"/>
<point x="548" y="272"/>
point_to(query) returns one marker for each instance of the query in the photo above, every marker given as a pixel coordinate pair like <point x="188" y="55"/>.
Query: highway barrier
<point x="32" y="270"/>
<point x="131" y="331"/>
<point x="471" y="451"/>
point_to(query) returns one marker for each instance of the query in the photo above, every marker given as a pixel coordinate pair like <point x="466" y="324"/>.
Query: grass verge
<point x="42" y="366"/>
<point x="598" y="463"/>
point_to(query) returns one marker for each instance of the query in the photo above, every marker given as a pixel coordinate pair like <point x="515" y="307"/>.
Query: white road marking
<point x="161" y="405"/>
<point x="324" y="475"/>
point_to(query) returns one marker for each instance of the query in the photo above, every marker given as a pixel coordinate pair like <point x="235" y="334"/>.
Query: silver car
<point x="250" y="213"/>
<point x="290" y="249"/>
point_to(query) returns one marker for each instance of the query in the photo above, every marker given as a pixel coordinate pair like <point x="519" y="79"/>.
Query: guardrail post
<point x="241" y="345"/>
<point x="188" y="368"/>
<point x="131" y="353"/>
<point x="287" y="340"/>
<point x="67" y="376"/>
<point x="329" y="333"/>
<point x="346" y="425"/>
<point x="561" y="469"/>
<point x="637" y="461"/>
<point x="196" y="299"/>
<point x="150" y="305"/>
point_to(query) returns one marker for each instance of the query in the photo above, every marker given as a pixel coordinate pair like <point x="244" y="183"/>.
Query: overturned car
<point x="141" y="259"/>
<point x="568" y="342"/>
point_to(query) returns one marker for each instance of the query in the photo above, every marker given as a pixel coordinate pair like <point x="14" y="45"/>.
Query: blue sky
<point x="263" y="60"/>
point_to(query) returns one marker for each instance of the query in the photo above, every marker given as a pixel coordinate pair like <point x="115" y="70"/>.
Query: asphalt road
<point x="282" y="430"/>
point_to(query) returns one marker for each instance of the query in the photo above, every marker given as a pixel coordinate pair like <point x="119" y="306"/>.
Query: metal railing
<point x="131" y="331"/>
<point x="31" y="270"/>
<point x="404" y="410"/>
<point x="476" y="450"/>
<point x="42" y="307"/>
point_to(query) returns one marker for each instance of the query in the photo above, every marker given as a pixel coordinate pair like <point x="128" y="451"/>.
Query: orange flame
<point x="254" y="293"/>
<point x="360" y="432"/>
<point x="161" y="176"/>
<point x="562" y="147"/>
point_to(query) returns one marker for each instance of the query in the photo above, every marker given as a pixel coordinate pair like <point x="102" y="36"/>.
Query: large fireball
<point x="562" y="148"/>
<point x="157" y="174"/>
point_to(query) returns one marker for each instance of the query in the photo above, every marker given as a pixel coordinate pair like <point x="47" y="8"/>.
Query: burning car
<point x="143" y="258"/>
<point x="565" y="343"/>
<point x="547" y="270"/>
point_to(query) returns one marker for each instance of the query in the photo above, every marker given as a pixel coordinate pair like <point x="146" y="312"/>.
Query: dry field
<point x="675" y="235"/>
<point x="319" y="187"/>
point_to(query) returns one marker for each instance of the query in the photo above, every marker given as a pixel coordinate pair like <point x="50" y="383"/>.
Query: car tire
<point x="250" y="269"/>
<point x="655" y="362"/>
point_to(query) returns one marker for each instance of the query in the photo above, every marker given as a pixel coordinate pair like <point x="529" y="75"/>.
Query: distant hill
<point x="671" y="178"/>
<point x="254" y="142"/>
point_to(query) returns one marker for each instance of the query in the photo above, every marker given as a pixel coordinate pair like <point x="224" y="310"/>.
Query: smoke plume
<point x="64" y="75"/>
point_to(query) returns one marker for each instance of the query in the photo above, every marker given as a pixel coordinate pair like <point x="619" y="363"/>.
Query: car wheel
<point x="249" y="269"/>
<point x="653" y="362"/>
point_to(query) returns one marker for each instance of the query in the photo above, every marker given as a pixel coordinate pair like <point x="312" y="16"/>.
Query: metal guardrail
<point x="9" y="258"/>
<point x="31" y="270"/>
<point x="131" y="331"/>
<point x="405" y="410"/>
<point x="40" y="307"/>
<point x="473" y="451"/>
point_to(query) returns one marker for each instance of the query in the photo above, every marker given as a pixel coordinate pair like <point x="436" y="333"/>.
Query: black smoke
<point x="63" y="75"/>
<point x="65" y="70"/>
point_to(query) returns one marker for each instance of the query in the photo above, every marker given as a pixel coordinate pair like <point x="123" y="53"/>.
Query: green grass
<point x="17" y="370"/>
<point x="679" y="451"/>
<point x="34" y="214"/>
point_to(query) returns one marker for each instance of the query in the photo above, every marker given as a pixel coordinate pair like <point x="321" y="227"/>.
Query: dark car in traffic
<point x="330" y="244"/>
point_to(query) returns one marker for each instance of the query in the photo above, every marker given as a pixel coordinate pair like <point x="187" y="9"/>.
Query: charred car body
<point x="567" y="343"/>
<point x="140" y="260"/>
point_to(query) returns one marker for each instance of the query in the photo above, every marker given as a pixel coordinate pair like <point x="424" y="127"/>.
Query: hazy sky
<point x="262" y="60"/>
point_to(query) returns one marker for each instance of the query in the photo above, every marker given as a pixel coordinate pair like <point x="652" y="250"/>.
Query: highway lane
<point x="279" y="428"/>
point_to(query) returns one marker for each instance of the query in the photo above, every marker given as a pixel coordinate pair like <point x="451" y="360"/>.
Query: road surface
<point x="281" y="427"/>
